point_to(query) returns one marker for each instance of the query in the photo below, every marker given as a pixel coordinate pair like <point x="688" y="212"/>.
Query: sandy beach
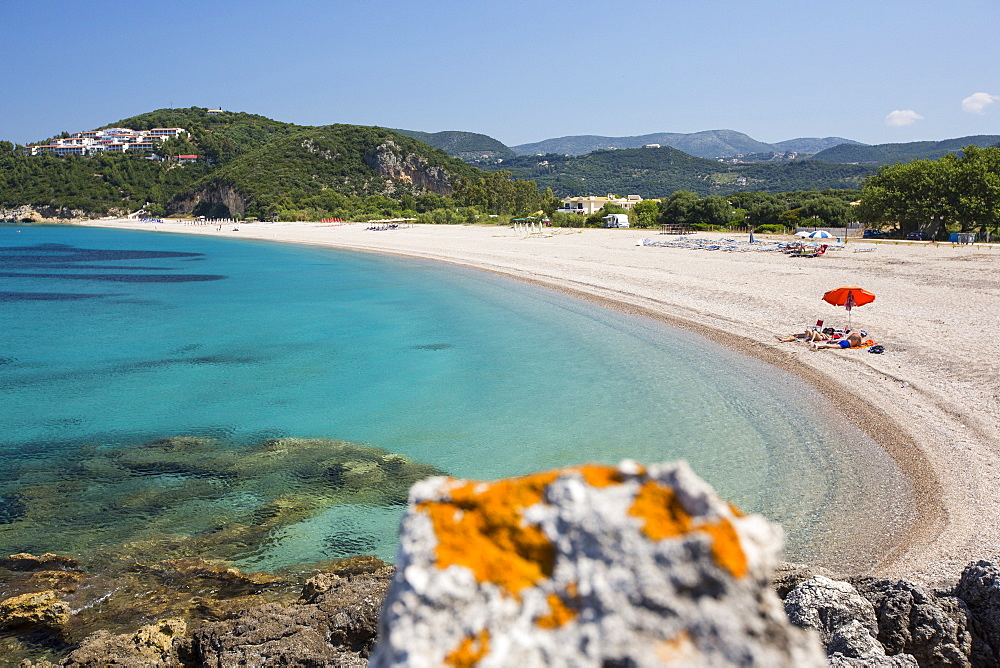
<point x="932" y="400"/>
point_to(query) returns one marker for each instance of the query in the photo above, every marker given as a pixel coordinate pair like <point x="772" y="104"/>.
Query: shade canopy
<point x="849" y="296"/>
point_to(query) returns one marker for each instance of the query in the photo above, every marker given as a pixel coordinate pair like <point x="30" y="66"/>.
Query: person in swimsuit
<point x="852" y="340"/>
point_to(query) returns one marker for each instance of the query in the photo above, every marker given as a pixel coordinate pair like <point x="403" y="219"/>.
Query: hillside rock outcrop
<point x="389" y="162"/>
<point x="586" y="566"/>
<point x="218" y="199"/>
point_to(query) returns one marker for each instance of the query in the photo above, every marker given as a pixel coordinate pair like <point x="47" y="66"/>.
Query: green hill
<point x="248" y="165"/>
<point x="654" y="172"/>
<point x="887" y="154"/>
<point x="335" y="168"/>
<point x="468" y="146"/>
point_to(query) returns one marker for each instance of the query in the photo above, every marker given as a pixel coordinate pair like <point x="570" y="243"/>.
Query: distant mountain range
<point x="705" y="144"/>
<point x="887" y="154"/>
<point x="658" y="172"/>
<point x="482" y="149"/>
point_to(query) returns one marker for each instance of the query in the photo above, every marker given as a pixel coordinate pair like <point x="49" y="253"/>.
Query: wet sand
<point x="932" y="400"/>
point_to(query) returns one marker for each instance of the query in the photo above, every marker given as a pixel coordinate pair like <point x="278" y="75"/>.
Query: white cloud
<point x="977" y="102"/>
<point x="901" y="117"/>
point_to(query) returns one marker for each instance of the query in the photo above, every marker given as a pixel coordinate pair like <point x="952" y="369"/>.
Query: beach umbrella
<point x="803" y="234"/>
<point x="848" y="296"/>
<point x="820" y="234"/>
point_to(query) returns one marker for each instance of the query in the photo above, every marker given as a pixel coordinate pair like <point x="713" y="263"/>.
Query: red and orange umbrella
<point x="849" y="297"/>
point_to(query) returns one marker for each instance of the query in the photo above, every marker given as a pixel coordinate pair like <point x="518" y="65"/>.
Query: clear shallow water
<point x="116" y="338"/>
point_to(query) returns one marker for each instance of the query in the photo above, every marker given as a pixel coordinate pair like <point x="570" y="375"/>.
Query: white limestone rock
<point x="586" y="566"/>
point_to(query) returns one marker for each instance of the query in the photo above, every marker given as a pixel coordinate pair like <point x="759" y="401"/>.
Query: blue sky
<point x="519" y="71"/>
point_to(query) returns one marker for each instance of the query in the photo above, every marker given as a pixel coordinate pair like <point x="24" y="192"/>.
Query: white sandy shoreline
<point x="933" y="400"/>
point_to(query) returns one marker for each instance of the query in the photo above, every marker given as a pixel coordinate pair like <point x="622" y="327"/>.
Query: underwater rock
<point x="30" y="562"/>
<point x="191" y="568"/>
<point x="196" y="496"/>
<point x="587" y="566"/>
<point x="43" y="608"/>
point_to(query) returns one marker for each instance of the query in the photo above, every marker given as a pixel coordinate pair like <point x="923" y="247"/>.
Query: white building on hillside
<point x="107" y="140"/>
<point x="590" y="204"/>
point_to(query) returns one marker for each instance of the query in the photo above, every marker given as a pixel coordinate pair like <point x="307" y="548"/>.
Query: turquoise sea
<point x="113" y="339"/>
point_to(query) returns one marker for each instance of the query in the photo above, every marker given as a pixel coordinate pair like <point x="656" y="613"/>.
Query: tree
<point x="645" y="213"/>
<point x="830" y="210"/>
<point x="933" y="196"/>
<point x="678" y="208"/>
<point x="765" y="212"/>
<point x="711" y="210"/>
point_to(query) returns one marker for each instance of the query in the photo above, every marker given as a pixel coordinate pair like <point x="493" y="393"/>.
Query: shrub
<point x="770" y="229"/>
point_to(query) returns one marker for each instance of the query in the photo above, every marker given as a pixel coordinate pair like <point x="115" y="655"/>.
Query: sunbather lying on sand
<point x="852" y="340"/>
<point x="808" y="335"/>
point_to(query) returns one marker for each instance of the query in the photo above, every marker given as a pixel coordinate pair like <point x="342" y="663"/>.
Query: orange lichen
<point x="666" y="518"/>
<point x="600" y="476"/>
<point x="470" y="651"/>
<point x="559" y="613"/>
<point x="679" y="649"/>
<point x="726" y="547"/>
<point x="663" y="513"/>
<point x="482" y="528"/>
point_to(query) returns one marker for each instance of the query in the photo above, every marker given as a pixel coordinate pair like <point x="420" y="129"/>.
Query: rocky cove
<point x="593" y="565"/>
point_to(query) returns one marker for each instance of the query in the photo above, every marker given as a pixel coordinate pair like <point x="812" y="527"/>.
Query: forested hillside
<point x="328" y="171"/>
<point x="469" y="146"/>
<point x="887" y="154"/>
<point x="249" y="165"/>
<point x="654" y="172"/>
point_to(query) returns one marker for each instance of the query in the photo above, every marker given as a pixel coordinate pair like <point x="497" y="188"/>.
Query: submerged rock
<point x="586" y="566"/>
<point x="197" y="497"/>
<point x="30" y="562"/>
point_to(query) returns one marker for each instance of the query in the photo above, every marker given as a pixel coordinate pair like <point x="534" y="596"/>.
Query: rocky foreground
<point x="602" y="566"/>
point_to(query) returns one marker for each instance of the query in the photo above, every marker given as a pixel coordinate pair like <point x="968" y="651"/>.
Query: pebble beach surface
<point x="932" y="400"/>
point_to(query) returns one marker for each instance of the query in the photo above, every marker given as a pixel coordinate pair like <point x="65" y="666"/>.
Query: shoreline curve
<point x="935" y="544"/>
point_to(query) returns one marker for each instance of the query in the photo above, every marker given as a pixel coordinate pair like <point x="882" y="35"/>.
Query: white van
<point x="616" y="220"/>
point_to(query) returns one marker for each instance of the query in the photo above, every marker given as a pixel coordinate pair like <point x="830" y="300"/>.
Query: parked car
<point x="916" y="236"/>
<point x="874" y="234"/>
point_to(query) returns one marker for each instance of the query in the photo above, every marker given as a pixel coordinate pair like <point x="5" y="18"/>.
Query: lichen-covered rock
<point x="586" y="566"/>
<point x="826" y="605"/>
<point x="152" y="646"/>
<point x="43" y="608"/>
<point x="912" y="620"/>
<point x="979" y="588"/>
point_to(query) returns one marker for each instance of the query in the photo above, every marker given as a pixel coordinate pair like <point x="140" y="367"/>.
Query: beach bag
<point x="877" y="349"/>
